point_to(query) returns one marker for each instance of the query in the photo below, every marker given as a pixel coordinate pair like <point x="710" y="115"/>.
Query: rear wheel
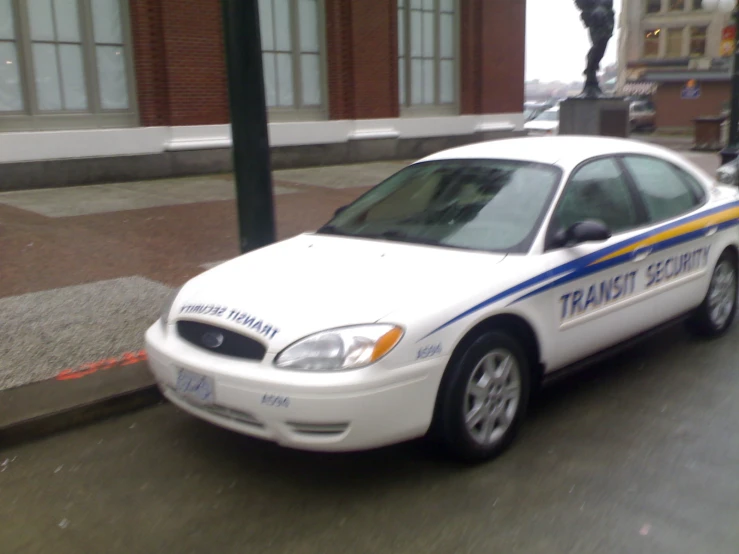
<point x="484" y="398"/>
<point x="716" y="314"/>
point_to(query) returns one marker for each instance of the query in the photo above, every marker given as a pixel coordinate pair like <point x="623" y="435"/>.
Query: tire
<point x="476" y="379"/>
<point x="714" y="316"/>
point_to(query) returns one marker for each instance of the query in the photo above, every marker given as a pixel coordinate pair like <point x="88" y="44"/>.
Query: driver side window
<point x="597" y="191"/>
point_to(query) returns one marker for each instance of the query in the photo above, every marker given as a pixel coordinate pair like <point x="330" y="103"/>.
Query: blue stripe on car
<point x="585" y="265"/>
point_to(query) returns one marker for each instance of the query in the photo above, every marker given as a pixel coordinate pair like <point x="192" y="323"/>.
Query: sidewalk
<point x="676" y="142"/>
<point x="85" y="271"/>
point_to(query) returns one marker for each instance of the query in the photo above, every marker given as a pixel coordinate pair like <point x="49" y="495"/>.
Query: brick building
<point x="114" y="89"/>
<point x="680" y="53"/>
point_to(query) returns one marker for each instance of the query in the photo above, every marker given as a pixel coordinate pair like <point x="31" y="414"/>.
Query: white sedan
<point x="438" y="301"/>
<point x="546" y="123"/>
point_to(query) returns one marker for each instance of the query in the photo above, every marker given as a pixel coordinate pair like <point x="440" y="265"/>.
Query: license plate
<point x="199" y="388"/>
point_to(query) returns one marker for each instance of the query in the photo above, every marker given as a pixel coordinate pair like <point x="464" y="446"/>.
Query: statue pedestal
<point x="606" y="116"/>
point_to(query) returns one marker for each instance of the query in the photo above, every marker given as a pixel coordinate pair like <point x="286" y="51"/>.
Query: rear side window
<point x="597" y="191"/>
<point x="667" y="191"/>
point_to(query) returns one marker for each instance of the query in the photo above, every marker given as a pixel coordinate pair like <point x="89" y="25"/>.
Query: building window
<point x="11" y="91"/>
<point x="427" y="62"/>
<point x="674" y="43"/>
<point x="665" y="193"/>
<point x="697" y="4"/>
<point x="651" y="43"/>
<point x="698" y="41"/>
<point x="64" y="63"/>
<point x="677" y="5"/>
<point x="108" y="41"/>
<point x="291" y="33"/>
<point x="654" y="6"/>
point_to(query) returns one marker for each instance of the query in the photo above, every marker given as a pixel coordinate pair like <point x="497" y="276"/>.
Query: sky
<point x="557" y="42"/>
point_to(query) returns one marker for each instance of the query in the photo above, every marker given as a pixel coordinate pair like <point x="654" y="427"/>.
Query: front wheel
<point x="484" y="398"/>
<point x="715" y="315"/>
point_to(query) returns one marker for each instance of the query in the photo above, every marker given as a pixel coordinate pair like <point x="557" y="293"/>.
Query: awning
<point x="639" y="88"/>
<point x="684" y="76"/>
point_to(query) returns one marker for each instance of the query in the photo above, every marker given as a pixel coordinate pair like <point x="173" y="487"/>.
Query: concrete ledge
<point x="87" y="171"/>
<point x="674" y="142"/>
<point x="100" y="170"/>
<point x="40" y="409"/>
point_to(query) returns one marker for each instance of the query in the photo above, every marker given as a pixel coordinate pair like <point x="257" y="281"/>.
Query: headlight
<point x="340" y="349"/>
<point x="167" y="307"/>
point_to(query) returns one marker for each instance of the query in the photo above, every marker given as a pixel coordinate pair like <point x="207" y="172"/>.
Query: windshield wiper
<point x="403" y="237"/>
<point x="389" y="235"/>
<point x="332" y="230"/>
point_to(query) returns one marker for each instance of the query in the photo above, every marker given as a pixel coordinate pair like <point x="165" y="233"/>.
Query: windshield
<point x="493" y="205"/>
<point x="548" y="116"/>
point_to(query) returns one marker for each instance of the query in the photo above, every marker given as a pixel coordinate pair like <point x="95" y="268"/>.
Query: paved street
<point x="638" y="456"/>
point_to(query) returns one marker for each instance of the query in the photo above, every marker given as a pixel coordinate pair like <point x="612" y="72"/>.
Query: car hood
<point x="310" y="283"/>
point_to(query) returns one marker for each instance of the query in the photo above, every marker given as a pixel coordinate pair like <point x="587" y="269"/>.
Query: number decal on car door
<point x="276" y="400"/>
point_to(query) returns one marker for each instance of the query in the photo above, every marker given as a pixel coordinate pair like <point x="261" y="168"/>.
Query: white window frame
<point x="31" y="118"/>
<point x="681" y="32"/>
<point x="407" y="108"/>
<point x="298" y="111"/>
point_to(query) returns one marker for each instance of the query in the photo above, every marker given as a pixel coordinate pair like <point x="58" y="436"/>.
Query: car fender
<point x="451" y="338"/>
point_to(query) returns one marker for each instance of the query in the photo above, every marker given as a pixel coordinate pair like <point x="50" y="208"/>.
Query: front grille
<point x="221" y="341"/>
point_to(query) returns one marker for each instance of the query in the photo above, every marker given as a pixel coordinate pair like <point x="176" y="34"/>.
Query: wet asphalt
<point x="637" y="455"/>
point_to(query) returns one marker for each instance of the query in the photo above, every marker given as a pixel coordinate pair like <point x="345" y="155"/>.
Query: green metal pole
<point x="251" y="155"/>
<point x="732" y="148"/>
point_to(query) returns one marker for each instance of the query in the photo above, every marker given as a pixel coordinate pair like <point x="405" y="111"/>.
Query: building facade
<point x="678" y="52"/>
<point x="114" y="89"/>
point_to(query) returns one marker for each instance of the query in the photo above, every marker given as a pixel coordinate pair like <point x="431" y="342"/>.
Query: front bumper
<point x="342" y="411"/>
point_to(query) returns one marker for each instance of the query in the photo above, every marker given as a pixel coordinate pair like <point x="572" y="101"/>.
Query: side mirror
<point x="583" y="231"/>
<point x="728" y="174"/>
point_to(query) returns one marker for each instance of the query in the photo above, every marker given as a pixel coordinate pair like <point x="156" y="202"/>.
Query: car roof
<point x="564" y="151"/>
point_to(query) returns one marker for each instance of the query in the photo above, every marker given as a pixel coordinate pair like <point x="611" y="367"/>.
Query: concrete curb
<point x="40" y="409"/>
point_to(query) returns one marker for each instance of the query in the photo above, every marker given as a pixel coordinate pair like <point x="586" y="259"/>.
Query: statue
<point x="599" y="18"/>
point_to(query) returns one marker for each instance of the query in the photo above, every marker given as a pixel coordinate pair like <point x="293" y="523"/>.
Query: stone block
<point x="594" y="116"/>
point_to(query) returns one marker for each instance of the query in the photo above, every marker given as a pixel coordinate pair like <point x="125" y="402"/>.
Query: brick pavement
<point x="162" y="230"/>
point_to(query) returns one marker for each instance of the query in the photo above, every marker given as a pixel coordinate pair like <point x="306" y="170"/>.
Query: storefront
<point x="681" y="97"/>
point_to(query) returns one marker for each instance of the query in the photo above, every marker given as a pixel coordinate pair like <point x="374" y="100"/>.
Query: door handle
<point x="711" y="230"/>
<point x="641" y="254"/>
